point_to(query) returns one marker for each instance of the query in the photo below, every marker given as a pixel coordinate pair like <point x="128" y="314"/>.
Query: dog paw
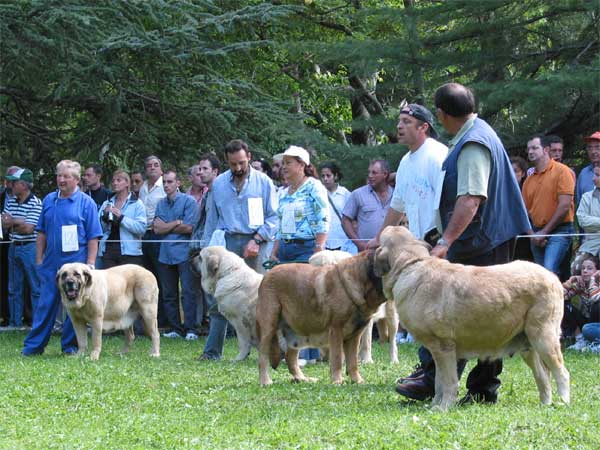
<point x="94" y="356"/>
<point x="266" y="382"/>
<point x="367" y="361"/>
<point x="155" y="355"/>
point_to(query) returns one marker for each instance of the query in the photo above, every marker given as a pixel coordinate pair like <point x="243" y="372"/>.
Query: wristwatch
<point x="257" y="241"/>
<point x="441" y="241"/>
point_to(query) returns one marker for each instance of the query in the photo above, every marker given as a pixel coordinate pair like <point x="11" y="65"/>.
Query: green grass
<point x="135" y="402"/>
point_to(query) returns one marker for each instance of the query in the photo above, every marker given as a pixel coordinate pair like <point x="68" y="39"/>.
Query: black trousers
<point x="483" y="378"/>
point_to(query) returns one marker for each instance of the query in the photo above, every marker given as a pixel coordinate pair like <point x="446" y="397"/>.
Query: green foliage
<point x="176" y="402"/>
<point x="116" y="81"/>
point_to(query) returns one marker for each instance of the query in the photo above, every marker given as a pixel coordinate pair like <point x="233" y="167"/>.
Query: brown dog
<point x="109" y="300"/>
<point x="465" y="312"/>
<point x="313" y="307"/>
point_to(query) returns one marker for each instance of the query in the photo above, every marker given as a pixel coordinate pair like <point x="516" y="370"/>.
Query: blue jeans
<point x="555" y="250"/>
<point x="591" y="332"/>
<point x="21" y="259"/>
<point x="295" y="252"/>
<point x="169" y="276"/>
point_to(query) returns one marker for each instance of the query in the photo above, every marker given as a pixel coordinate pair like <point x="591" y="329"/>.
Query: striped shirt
<point x="29" y="210"/>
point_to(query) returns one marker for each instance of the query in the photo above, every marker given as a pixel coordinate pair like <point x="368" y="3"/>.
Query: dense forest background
<point x="114" y="81"/>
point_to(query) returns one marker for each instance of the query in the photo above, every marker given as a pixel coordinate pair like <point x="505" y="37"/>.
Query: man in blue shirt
<point x="175" y="217"/>
<point x="243" y="204"/>
<point x="585" y="180"/>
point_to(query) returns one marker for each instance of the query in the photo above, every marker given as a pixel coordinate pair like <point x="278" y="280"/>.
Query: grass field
<point x="176" y="402"/>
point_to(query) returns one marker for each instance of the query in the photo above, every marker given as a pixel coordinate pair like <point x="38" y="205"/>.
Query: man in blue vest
<point x="481" y="212"/>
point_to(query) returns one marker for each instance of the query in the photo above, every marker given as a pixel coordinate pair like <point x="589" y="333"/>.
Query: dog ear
<point x="381" y="262"/>
<point x="87" y="276"/>
<point x="212" y="264"/>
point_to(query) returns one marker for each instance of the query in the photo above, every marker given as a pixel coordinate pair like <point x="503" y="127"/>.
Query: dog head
<point x="72" y="279"/>
<point x="208" y="263"/>
<point x="398" y="248"/>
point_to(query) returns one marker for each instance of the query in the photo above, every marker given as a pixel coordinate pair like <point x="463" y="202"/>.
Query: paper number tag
<point x="288" y="220"/>
<point x="70" y="242"/>
<point x="256" y="216"/>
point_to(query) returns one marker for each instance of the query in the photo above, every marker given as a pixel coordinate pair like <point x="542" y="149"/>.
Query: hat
<point x="594" y="137"/>
<point x="421" y="113"/>
<point x="298" y="152"/>
<point x="21" y="175"/>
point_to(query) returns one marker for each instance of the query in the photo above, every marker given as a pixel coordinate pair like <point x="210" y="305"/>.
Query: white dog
<point x="235" y="287"/>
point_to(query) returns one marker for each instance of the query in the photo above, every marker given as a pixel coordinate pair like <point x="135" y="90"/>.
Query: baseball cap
<point x="421" y="113"/>
<point x="21" y="175"/>
<point x="298" y="152"/>
<point x="593" y="137"/>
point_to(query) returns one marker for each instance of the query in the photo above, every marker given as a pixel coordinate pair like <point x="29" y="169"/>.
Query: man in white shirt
<point x="418" y="178"/>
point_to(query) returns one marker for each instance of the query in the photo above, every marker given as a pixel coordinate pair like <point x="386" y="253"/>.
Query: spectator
<point x="92" y="182"/>
<point x="303" y="219"/>
<point x="418" y="175"/>
<point x="151" y="193"/>
<point x="175" y="217"/>
<point x="123" y="219"/>
<point x="198" y="187"/>
<point x="519" y="166"/>
<point x="588" y="217"/>
<point x="368" y="205"/>
<point x="263" y="166"/>
<point x="585" y="182"/>
<point x="276" y="171"/>
<point x="585" y="286"/>
<point x="243" y="205"/>
<point x="5" y="194"/>
<point x="209" y="170"/>
<point x="137" y="180"/>
<point x="337" y="195"/>
<point x="68" y="231"/>
<point x="20" y="216"/>
<point x="478" y="229"/>
<point x="548" y="195"/>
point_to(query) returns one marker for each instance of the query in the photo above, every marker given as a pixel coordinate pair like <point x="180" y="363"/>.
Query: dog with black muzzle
<point x="109" y="300"/>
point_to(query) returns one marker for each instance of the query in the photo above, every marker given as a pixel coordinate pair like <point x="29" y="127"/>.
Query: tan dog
<point x="109" y="300"/>
<point x="235" y="287"/>
<point x="465" y="312"/>
<point x="385" y="317"/>
<point x="314" y="307"/>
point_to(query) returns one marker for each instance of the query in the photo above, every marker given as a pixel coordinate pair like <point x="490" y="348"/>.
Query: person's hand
<point x="439" y="251"/>
<point x="539" y="241"/>
<point x="116" y="212"/>
<point x="7" y="220"/>
<point x="373" y="243"/>
<point x="361" y="245"/>
<point x="251" y="249"/>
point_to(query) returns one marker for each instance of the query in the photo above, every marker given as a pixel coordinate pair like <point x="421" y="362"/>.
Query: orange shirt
<point x="541" y="191"/>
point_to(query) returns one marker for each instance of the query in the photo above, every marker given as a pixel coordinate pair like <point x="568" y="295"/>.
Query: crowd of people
<point x="467" y="199"/>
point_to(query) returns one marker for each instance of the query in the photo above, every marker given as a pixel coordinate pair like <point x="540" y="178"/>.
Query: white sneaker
<point x="172" y="335"/>
<point x="306" y="362"/>
<point x="594" y="347"/>
<point x="191" y="336"/>
<point x="579" y="345"/>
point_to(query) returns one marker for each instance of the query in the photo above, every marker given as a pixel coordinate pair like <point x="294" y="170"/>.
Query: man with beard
<point x="243" y="205"/>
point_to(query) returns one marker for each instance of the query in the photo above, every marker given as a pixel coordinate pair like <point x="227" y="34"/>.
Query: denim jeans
<point x="169" y="276"/>
<point x="22" y="266"/>
<point x="555" y="250"/>
<point x="295" y="252"/>
<point x="591" y="332"/>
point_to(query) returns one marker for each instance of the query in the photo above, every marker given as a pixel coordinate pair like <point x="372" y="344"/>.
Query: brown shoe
<point x="416" y="389"/>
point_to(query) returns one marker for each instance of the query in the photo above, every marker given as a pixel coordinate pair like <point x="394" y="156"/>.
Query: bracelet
<point x="91" y="266"/>
<point x="320" y="246"/>
<point x="441" y="241"/>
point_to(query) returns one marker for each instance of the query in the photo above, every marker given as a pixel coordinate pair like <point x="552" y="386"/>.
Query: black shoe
<point x="477" y="397"/>
<point x="416" y="389"/>
<point x="205" y="357"/>
<point x="419" y="370"/>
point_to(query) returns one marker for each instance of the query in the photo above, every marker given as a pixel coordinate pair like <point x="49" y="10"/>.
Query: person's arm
<point x="20" y="226"/>
<point x="320" y="240"/>
<point x="40" y="247"/>
<point x="274" y="251"/>
<point x="464" y="211"/>
<point x="190" y="217"/>
<point x="561" y="211"/>
<point x="349" y="230"/>
<point x="589" y="221"/>
<point x="392" y="218"/>
<point x="136" y="223"/>
<point x="92" y="251"/>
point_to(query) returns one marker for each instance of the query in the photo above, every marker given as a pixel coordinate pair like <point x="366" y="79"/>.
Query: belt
<point x="23" y="242"/>
<point x="297" y="241"/>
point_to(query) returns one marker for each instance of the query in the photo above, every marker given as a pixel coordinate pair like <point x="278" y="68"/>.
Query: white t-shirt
<point x="418" y="180"/>
<point x="337" y="236"/>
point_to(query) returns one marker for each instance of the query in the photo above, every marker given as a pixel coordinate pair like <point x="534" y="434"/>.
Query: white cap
<point x="298" y="152"/>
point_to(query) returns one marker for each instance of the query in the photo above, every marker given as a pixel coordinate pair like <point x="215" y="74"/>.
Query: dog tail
<point x="275" y="352"/>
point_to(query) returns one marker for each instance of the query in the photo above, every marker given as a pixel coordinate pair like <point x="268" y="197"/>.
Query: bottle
<point x="110" y="214"/>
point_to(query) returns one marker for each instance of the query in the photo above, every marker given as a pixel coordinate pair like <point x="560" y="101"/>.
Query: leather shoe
<point x="419" y="370"/>
<point x="477" y="397"/>
<point x="416" y="389"/>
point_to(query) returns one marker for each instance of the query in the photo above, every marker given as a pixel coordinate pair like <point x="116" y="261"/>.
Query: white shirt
<point x="418" y="180"/>
<point x="337" y="236"/>
<point x="151" y="197"/>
